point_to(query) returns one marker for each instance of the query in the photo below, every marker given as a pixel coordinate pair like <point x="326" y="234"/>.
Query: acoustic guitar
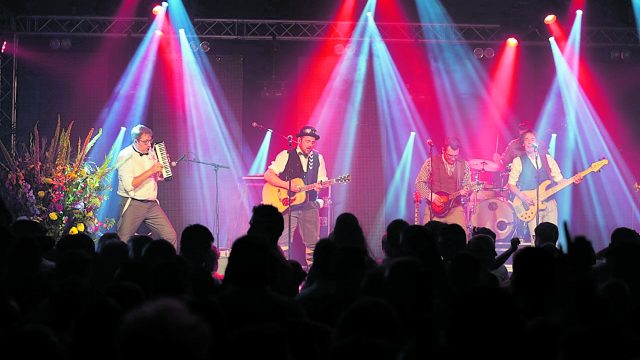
<point x="277" y="196"/>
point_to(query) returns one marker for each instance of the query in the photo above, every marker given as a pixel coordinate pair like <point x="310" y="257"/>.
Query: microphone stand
<point x="431" y="182"/>
<point x="537" y="188"/>
<point x="215" y="167"/>
<point x="290" y="198"/>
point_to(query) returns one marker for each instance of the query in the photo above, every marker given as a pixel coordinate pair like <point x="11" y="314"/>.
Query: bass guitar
<point x="450" y="200"/>
<point x="276" y="196"/>
<point x="527" y="213"/>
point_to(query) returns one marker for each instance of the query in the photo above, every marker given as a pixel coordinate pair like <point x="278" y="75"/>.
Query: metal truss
<point x="309" y="30"/>
<point x="7" y="100"/>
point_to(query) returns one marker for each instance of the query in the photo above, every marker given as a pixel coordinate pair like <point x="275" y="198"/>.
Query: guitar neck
<point x="565" y="183"/>
<point x="324" y="183"/>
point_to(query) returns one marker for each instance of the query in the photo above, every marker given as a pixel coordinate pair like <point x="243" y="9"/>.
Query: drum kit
<point x="490" y="207"/>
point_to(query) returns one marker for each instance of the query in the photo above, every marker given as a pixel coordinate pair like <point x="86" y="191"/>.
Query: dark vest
<point x="294" y="169"/>
<point x="443" y="181"/>
<point x="527" y="180"/>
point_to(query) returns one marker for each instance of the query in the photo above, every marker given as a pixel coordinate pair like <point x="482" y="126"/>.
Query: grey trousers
<point x="308" y="221"/>
<point x="151" y="214"/>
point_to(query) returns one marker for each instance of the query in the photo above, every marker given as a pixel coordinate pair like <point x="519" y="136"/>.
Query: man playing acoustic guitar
<point x="308" y="165"/>
<point x="450" y="177"/>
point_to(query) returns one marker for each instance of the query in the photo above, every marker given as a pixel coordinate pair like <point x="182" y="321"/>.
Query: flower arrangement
<point x="46" y="184"/>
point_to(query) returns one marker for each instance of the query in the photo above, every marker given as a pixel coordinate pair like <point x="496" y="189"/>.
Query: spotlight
<point x="578" y="12"/>
<point x="205" y="46"/>
<point x="369" y="13"/>
<point x="550" y="19"/>
<point x="194" y="45"/>
<point x="157" y="9"/>
<point x="165" y="4"/>
<point x="158" y="32"/>
<point x="54" y="44"/>
<point x="478" y="53"/>
<point x="489" y="53"/>
<point x="338" y="49"/>
<point x="4" y="47"/>
<point x="65" y="44"/>
<point x="513" y="42"/>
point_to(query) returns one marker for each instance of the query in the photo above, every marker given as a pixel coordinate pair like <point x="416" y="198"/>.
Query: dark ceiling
<point x="616" y="13"/>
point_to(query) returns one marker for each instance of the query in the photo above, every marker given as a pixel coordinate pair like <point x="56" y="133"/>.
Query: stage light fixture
<point x="478" y="53"/>
<point x="205" y="46"/>
<point x="157" y="9"/>
<point x="369" y="14"/>
<point x="578" y="12"/>
<point x="159" y="32"/>
<point x="54" y="44"/>
<point x="65" y="44"/>
<point x="4" y="47"/>
<point x="513" y="42"/>
<point x="489" y="53"/>
<point x="338" y="49"/>
<point x="550" y="19"/>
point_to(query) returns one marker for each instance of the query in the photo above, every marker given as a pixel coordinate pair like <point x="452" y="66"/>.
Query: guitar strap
<point x="545" y="164"/>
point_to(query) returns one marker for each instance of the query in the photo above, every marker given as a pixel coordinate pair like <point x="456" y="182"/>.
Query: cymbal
<point x="482" y="164"/>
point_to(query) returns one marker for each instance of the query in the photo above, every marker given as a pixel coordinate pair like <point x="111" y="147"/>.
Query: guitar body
<point x="273" y="195"/>
<point x="447" y="204"/>
<point x="528" y="213"/>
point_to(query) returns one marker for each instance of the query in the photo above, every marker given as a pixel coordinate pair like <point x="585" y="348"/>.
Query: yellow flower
<point x="90" y="214"/>
<point x="80" y="227"/>
<point x="73" y="231"/>
<point x="83" y="173"/>
<point x="53" y="216"/>
<point x="40" y="194"/>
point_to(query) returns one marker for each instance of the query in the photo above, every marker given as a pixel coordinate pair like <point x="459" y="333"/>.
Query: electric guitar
<point x="417" y="199"/>
<point x="451" y="200"/>
<point x="276" y="196"/>
<point x="527" y="213"/>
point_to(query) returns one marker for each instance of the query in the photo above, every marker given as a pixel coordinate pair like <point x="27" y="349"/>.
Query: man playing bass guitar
<point x="448" y="175"/>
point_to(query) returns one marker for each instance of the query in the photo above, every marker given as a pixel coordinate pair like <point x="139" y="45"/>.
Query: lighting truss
<point x="308" y="30"/>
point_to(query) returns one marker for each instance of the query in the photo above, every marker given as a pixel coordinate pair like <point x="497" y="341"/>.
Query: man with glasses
<point x="138" y="174"/>
<point x="448" y="174"/>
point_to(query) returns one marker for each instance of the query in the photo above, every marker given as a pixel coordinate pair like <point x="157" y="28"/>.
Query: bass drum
<point x="496" y="214"/>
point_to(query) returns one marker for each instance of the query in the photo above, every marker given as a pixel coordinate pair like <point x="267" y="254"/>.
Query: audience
<point x="431" y="295"/>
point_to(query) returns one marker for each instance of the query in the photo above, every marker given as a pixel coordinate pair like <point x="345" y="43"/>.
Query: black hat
<point x="308" y="131"/>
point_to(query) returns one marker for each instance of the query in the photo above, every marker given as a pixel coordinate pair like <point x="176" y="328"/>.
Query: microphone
<point x="256" y="125"/>
<point x="535" y="145"/>
<point x="175" y="163"/>
<point x="290" y="139"/>
<point x="430" y="142"/>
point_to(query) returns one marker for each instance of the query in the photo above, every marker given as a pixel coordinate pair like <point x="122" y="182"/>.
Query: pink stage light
<point x="513" y="42"/>
<point x="157" y="9"/>
<point x="159" y="32"/>
<point x="550" y="19"/>
<point x="4" y="47"/>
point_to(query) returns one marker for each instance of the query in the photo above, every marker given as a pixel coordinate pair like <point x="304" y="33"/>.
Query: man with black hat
<point x="514" y="149"/>
<point x="307" y="164"/>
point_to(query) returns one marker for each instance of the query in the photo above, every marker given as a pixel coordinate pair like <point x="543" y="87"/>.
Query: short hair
<point x="546" y="232"/>
<point x="452" y="142"/>
<point x="138" y="130"/>
<point x="522" y="135"/>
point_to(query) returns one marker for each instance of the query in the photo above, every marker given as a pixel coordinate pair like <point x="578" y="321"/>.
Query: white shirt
<point x="516" y="169"/>
<point x="280" y="162"/>
<point x="130" y="165"/>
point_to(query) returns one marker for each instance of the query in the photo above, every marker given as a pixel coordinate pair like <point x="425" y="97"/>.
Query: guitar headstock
<point x="416" y="197"/>
<point x="343" y="179"/>
<point x="596" y="166"/>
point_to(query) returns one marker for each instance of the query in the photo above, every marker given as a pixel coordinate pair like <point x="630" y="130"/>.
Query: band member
<point x="138" y="176"/>
<point x="514" y="149"/>
<point x="305" y="163"/>
<point x="448" y="174"/>
<point x="531" y="169"/>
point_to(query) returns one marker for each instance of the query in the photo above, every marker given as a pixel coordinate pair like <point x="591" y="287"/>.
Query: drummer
<point x="514" y="149"/>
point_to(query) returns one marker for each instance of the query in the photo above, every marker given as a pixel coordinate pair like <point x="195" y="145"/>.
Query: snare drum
<point x="496" y="214"/>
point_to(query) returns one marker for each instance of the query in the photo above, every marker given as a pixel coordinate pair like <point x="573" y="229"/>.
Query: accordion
<point x="161" y="154"/>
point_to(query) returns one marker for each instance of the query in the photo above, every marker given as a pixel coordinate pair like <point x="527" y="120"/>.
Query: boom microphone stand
<point x="215" y="167"/>
<point x="430" y="143"/>
<point x="535" y="148"/>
